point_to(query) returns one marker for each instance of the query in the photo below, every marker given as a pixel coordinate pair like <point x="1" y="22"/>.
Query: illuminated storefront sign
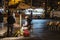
<point x="34" y="11"/>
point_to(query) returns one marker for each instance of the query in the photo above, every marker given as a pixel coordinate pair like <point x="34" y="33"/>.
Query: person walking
<point x="10" y="22"/>
<point x="29" y="22"/>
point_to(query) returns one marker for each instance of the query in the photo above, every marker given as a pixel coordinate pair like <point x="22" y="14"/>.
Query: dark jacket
<point x="29" y="21"/>
<point x="10" y="20"/>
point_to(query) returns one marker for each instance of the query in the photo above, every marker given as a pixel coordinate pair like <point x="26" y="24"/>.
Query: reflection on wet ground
<point x="40" y="30"/>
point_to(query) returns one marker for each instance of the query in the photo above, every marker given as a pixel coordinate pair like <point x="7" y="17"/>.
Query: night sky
<point x="35" y="2"/>
<point x="0" y="2"/>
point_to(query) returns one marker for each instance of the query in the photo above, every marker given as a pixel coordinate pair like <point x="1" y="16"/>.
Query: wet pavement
<point x="40" y="31"/>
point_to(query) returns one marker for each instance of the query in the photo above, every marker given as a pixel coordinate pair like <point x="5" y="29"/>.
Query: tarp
<point x="23" y="6"/>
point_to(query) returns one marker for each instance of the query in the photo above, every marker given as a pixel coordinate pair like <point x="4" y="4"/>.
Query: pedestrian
<point x="29" y="23"/>
<point x="10" y="22"/>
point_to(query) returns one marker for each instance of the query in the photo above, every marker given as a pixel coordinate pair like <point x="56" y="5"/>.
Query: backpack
<point x="26" y="33"/>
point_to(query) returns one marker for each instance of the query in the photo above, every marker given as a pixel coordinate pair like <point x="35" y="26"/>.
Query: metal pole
<point x="45" y="8"/>
<point x="31" y="11"/>
<point x="20" y="20"/>
<point x="31" y="3"/>
<point x="2" y="3"/>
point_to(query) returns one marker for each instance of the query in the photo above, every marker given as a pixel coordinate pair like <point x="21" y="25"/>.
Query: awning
<point x="23" y="6"/>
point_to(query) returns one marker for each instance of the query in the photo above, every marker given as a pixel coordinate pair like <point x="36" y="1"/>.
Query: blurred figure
<point x="1" y="20"/>
<point x="24" y="22"/>
<point x="25" y="27"/>
<point x="10" y="22"/>
<point x="28" y="19"/>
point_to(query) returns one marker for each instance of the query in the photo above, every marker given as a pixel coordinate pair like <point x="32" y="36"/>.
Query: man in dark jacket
<point x="10" y="22"/>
